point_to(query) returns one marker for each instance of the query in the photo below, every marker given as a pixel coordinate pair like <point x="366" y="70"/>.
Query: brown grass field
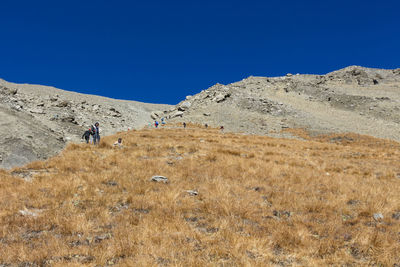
<point x="261" y="202"/>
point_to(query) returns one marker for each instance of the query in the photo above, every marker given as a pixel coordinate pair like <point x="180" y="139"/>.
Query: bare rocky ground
<point x="37" y="121"/>
<point x="353" y="99"/>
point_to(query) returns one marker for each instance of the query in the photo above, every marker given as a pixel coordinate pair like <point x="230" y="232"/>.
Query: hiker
<point x="221" y="128"/>
<point x="119" y="142"/>
<point x="184" y="125"/>
<point x="162" y="121"/>
<point x="96" y="133"/>
<point x="87" y="135"/>
<point x="206" y="125"/>
<point x="156" y="124"/>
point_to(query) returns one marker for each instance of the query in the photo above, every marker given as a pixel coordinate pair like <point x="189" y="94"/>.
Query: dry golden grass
<point x="261" y="202"/>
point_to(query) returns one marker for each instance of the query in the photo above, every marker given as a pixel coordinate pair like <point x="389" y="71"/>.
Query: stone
<point x="177" y="114"/>
<point x="9" y="91"/>
<point x="184" y="106"/>
<point x="258" y="188"/>
<point x="352" y="202"/>
<point x="207" y="114"/>
<point x="37" y="111"/>
<point x="219" y="98"/>
<point x="29" y="213"/>
<point x="282" y="213"/>
<point x="159" y="178"/>
<point x="153" y="115"/>
<point x="63" y="104"/>
<point x="68" y="118"/>
<point x="378" y="216"/>
<point x="114" y="110"/>
<point x="192" y="192"/>
<point x="396" y="215"/>
<point x="111" y="183"/>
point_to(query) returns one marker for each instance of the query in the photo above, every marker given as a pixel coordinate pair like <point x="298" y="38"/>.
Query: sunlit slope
<point x="261" y="201"/>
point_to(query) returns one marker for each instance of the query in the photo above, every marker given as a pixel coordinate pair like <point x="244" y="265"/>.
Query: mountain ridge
<point x="40" y="120"/>
<point x="352" y="99"/>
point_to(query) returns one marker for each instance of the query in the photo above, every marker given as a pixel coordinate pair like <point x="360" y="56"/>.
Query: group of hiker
<point x="156" y="123"/>
<point x="92" y="134"/>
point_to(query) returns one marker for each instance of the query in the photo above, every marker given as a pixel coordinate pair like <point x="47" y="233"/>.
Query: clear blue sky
<point x="161" y="51"/>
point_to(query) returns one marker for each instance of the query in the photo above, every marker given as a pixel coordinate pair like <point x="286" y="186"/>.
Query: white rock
<point x="192" y="192"/>
<point x="177" y="114"/>
<point x="378" y="216"/>
<point x="159" y="178"/>
<point x="153" y="115"/>
<point x="219" y="98"/>
<point x="29" y="213"/>
<point x="185" y="105"/>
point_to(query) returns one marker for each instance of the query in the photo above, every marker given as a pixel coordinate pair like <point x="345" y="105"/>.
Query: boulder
<point x="68" y="118"/>
<point x="219" y="98"/>
<point x="63" y="104"/>
<point x="156" y="114"/>
<point x="9" y="91"/>
<point x="159" y="178"/>
<point x="177" y="114"/>
<point x="153" y="115"/>
<point x="184" y="106"/>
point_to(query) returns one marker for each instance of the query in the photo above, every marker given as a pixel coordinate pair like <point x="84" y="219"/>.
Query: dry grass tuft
<point x="261" y="201"/>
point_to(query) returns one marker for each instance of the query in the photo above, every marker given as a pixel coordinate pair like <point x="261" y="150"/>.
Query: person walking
<point x="96" y="133"/>
<point x="87" y="135"/>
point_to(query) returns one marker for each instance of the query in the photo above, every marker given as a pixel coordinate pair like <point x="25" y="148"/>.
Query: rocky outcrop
<point x="353" y="99"/>
<point x="37" y="121"/>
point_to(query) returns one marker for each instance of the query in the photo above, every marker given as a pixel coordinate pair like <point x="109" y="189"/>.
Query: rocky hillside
<point x="353" y="99"/>
<point x="37" y="121"/>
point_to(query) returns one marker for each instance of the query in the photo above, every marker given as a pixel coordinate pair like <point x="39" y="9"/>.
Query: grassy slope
<point x="262" y="201"/>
